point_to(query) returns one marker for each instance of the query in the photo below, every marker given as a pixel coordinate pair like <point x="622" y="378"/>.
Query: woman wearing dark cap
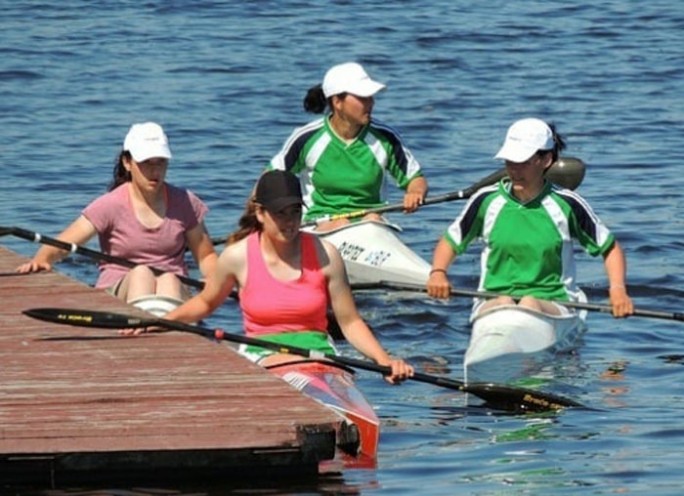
<point x="342" y="159"/>
<point x="286" y="281"/>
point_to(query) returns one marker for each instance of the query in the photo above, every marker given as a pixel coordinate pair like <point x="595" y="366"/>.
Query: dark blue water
<point x="226" y="80"/>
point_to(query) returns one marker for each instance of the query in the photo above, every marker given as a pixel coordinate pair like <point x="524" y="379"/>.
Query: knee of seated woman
<point x="140" y="273"/>
<point x="168" y="278"/>
<point x="533" y="303"/>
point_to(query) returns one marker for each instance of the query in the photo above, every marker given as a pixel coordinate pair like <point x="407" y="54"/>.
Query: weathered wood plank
<point x="159" y="401"/>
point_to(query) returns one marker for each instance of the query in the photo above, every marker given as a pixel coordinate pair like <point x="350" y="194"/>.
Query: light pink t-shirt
<point x="122" y="235"/>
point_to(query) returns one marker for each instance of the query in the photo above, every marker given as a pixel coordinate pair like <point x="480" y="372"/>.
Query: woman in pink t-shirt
<point x="286" y="280"/>
<point x="144" y="220"/>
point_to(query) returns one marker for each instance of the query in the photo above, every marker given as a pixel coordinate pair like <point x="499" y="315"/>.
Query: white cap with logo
<point x="524" y="138"/>
<point x="147" y="140"/>
<point x="351" y="78"/>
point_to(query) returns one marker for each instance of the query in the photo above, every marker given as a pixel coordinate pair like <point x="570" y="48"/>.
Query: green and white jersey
<point x="529" y="246"/>
<point x="340" y="177"/>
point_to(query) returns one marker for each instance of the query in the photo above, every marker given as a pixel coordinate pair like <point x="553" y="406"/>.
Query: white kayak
<point x="373" y="252"/>
<point x="157" y="305"/>
<point x="511" y="342"/>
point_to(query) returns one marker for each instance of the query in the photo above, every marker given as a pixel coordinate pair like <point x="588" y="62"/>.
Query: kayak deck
<point x="372" y="252"/>
<point x="333" y="386"/>
<point x="509" y="342"/>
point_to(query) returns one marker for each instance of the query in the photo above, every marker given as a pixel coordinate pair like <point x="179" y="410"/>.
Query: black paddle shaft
<point x="499" y="396"/>
<point x="397" y="207"/>
<point x="594" y="307"/>
<point x="567" y="172"/>
<point x="81" y="250"/>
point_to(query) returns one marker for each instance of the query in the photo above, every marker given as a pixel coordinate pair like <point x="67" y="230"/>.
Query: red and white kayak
<point x="333" y="386"/>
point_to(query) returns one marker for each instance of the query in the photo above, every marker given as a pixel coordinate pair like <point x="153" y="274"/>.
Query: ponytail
<point x="120" y="174"/>
<point x="247" y="224"/>
<point x="315" y="101"/>
<point x="558" y="143"/>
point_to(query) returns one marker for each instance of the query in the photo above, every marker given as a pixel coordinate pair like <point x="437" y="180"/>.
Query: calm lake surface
<point x="226" y="80"/>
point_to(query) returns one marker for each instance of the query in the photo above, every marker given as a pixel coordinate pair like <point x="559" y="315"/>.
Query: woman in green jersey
<point x="341" y="159"/>
<point x="528" y="227"/>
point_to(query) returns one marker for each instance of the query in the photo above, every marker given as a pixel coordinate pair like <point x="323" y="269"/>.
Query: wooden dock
<point x="81" y="405"/>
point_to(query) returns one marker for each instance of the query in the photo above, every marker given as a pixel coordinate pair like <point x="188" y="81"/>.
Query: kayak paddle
<point x="495" y="395"/>
<point x="656" y="314"/>
<point x="81" y="250"/>
<point x="567" y="172"/>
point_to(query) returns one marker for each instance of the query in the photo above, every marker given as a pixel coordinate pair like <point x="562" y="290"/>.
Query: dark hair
<point x="247" y="224"/>
<point x="558" y="144"/>
<point x="315" y="101"/>
<point x="120" y="174"/>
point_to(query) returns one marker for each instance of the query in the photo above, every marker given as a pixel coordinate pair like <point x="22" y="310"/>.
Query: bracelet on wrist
<point x="438" y="270"/>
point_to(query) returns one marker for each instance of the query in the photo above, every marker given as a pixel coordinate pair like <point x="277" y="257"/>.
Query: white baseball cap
<point x="524" y="138"/>
<point x="147" y="140"/>
<point x="351" y="78"/>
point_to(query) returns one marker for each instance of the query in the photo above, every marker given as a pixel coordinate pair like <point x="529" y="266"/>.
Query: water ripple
<point x="227" y="79"/>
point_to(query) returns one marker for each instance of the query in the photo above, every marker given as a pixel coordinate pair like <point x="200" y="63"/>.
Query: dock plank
<point x="141" y="404"/>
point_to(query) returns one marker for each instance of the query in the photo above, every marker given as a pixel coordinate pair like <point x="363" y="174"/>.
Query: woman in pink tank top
<point x="144" y="220"/>
<point x="286" y="279"/>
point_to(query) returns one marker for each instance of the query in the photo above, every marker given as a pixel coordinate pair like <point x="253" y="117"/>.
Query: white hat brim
<point x="142" y="153"/>
<point x="365" y="88"/>
<point x="515" y="152"/>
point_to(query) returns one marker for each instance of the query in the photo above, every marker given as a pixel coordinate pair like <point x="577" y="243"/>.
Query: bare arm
<point x="228" y="269"/>
<point x="353" y="326"/>
<point x="616" y="269"/>
<point x="415" y="193"/>
<point x="438" y="284"/>
<point x="202" y="249"/>
<point x="79" y="232"/>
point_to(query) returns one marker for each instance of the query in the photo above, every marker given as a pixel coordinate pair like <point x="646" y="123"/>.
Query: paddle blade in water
<point x="518" y="399"/>
<point x="503" y="397"/>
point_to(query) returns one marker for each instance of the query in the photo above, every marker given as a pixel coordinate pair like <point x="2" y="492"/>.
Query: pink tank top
<point x="271" y="306"/>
